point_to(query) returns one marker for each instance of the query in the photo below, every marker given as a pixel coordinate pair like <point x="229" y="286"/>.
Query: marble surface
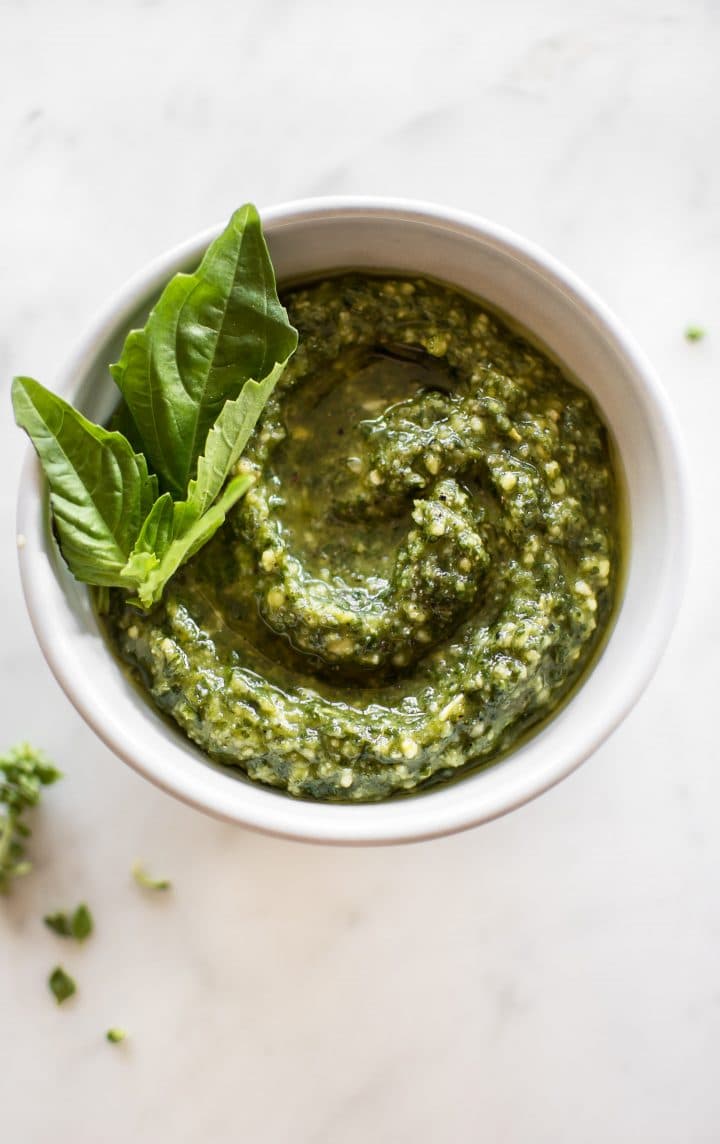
<point x="553" y="976"/>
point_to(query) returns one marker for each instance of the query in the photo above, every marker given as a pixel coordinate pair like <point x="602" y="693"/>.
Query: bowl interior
<point x="533" y="290"/>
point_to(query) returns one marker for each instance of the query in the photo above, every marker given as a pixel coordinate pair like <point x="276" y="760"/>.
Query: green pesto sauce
<point x="422" y="570"/>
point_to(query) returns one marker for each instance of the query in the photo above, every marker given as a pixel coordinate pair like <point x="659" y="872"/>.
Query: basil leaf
<point x="191" y="531"/>
<point x="100" y="490"/>
<point x="209" y="333"/>
<point x="121" y="421"/>
<point x="228" y="437"/>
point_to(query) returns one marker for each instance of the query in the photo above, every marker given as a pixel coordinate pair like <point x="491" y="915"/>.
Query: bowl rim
<point x="368" y="823"/>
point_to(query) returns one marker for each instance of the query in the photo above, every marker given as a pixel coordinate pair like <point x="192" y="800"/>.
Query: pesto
<point x="424" y="564"/>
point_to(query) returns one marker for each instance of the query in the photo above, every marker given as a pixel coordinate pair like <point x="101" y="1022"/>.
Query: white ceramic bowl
<point x="489" y="261"/>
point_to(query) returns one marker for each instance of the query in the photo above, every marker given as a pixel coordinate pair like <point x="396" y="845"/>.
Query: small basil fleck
<point x="143" y="879"/>
<point x="61" y="985"/>
<point x="82" y="923"/>
<point x="59" y="923"/>
<point x="79" y="926"/>
<point x="694" y="334"/>
<point x="23" y="772"/>
<point x="115" y="1036"/>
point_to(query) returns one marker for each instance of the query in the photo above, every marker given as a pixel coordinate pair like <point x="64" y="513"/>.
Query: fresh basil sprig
<point x="194" y="381"/>
<point x="209" y="334"/>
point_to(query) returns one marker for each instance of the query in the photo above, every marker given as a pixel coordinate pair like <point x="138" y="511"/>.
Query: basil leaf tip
<point x="132" y="503"/>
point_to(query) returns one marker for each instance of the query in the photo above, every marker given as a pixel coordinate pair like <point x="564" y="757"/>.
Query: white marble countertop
<point x="553" y="976"/>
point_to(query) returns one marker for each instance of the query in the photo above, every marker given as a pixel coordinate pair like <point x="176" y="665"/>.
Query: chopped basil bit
<point x="143" y="879"/>
<point x="82" y="923"/>
<point x="23" y="772"/>
<point x="78" y="925"/>
<point x="115" y="1036"/>
<point x="59" y="923"/>
<point x="694" y="333"/>
<point x="61" y="984"/>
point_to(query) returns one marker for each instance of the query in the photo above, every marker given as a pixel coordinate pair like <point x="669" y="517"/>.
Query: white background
<point x="554" y="976"/>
